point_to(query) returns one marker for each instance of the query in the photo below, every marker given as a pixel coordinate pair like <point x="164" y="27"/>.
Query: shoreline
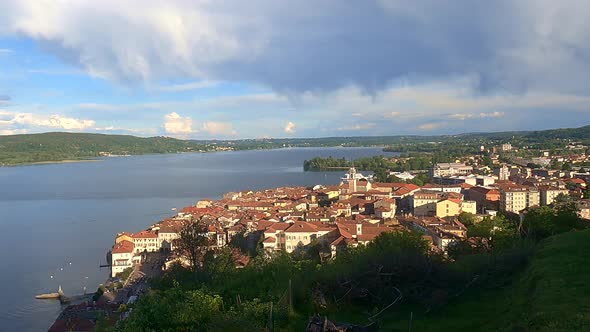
<point x="67" y="161"/>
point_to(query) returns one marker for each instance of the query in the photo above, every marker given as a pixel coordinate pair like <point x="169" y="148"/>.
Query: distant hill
<point x="58" y="146"/>
<point x="581" y="133"/>
<point x="32" y="148"/>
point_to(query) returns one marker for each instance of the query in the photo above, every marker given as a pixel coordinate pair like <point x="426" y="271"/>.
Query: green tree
<point x="467" y="219"/>
<point x="538" y="223"/>
<point x="193" y="243"/>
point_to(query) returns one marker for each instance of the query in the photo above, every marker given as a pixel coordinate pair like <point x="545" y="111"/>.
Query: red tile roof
<point x="123" y="247"/>
<point x="301" y="227"/>
<point x="144" y="235"/>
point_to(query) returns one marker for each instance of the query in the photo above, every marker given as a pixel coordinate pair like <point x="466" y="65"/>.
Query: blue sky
<point x="235" y="69"/>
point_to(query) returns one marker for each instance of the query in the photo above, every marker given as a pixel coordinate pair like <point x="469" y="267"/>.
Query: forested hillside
<point x="19" y="149"/>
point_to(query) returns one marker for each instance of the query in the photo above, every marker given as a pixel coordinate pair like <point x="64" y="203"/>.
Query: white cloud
<point x="51" y="121"/>
<point x="5" y="50"/>
<point x="218" y="128"/>
<point x="464" y="116"/>
<point x="177" y="125"/>
<point x="361" y="126"/>
<point x="13" y="131"/>
<point x="289" y="128"/>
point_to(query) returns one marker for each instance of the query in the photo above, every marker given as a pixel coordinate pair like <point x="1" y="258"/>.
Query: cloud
<point x="4" y="100"/>
<point x="177" y="125"/>
<point x="218" y="128"/>
<point x="13" y="131"/>
<point x="52" y="121"/>
<point x="431" y="126"/>
<point x="188" y="86"/>
<point x="356" y="127"/>
<point x="517" y="46"/>
<point x="5" y="50"/>
<point x="463" y="116"/>
<point x="289" y="128"/>
<point x="127" y="131"/>
<point x="55" y="71"/>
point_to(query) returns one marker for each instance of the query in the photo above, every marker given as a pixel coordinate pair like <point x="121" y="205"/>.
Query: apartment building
<point x="517" y="198"/>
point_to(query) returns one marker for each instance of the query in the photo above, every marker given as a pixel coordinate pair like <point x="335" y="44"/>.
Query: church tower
<point x="352" y="180"/>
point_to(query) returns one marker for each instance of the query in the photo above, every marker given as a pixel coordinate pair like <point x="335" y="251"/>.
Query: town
<point x="333" y="218"/>
<point x="359" y="209"/>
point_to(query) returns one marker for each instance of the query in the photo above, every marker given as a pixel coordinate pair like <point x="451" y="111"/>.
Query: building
<point x="424" y="202"/>
<point x="299" y="234"/>
<point x="473" y="180"/>
<point x="584" y="209"/>
<point x="450" y="169"/>
<point x="168" y="233"/>
<point x="506" y="147"/>
<point x="503" y="173"/>
<point x="350" y="233"/>
<point x="469" y="207"/>
<point x="122" y="257"/>
<point x="517" y="198"/>
<point x="549" y="193"/>
<point x="442" y="232"/>
<point x="448" y="207"/>
<point x="145" y="241"/>
<point x="485" y="198"/>
<point x="402" y="175"/>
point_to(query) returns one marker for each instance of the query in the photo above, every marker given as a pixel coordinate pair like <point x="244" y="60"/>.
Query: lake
<point x="59" y="220"/>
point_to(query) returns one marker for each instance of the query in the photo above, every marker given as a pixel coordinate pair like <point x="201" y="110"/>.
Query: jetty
<point x="59" y="295"/>
<point x="48" y="296"/>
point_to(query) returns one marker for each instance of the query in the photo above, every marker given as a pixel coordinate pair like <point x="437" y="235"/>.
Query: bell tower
<point x="352" y="180"/>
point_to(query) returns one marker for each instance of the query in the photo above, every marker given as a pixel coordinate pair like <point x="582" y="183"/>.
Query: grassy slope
<point x="552" y="294"/>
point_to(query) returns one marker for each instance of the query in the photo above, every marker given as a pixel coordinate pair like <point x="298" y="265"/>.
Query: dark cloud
<point x="300" y="46"/>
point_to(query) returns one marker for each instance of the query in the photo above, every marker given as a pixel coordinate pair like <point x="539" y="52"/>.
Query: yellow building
<point x="424" y="203"/>
<point x="469" y="206"/>
<point x="448" y="207"/>
<point x="517" y="198"/>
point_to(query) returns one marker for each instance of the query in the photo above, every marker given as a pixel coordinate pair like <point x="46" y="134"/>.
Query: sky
<point x="225" y="69"/>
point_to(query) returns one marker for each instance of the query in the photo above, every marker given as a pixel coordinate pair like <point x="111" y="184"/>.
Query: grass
<point x="551" y="294"/>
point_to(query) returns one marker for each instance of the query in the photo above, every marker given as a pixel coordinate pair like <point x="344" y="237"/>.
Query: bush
<point x="125" y="274"/>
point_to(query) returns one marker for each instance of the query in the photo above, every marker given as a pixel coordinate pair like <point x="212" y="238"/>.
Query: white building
<point x="402" y="175"/>
<point x="122" y="257"/>
<point x="145" y="241"/>
<point x="548" y="194"/>
<point x="450" y="169"/>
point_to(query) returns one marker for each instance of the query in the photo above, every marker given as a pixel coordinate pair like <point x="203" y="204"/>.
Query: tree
<point x="538" y="223"/>
<point x="193" y="243"/>
<point x="467" y="218"/>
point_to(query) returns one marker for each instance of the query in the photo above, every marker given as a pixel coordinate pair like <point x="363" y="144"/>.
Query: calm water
<point x="60" y="219"/>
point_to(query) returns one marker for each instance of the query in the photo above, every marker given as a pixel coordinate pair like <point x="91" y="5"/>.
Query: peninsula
<point x="362" y="254"/>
